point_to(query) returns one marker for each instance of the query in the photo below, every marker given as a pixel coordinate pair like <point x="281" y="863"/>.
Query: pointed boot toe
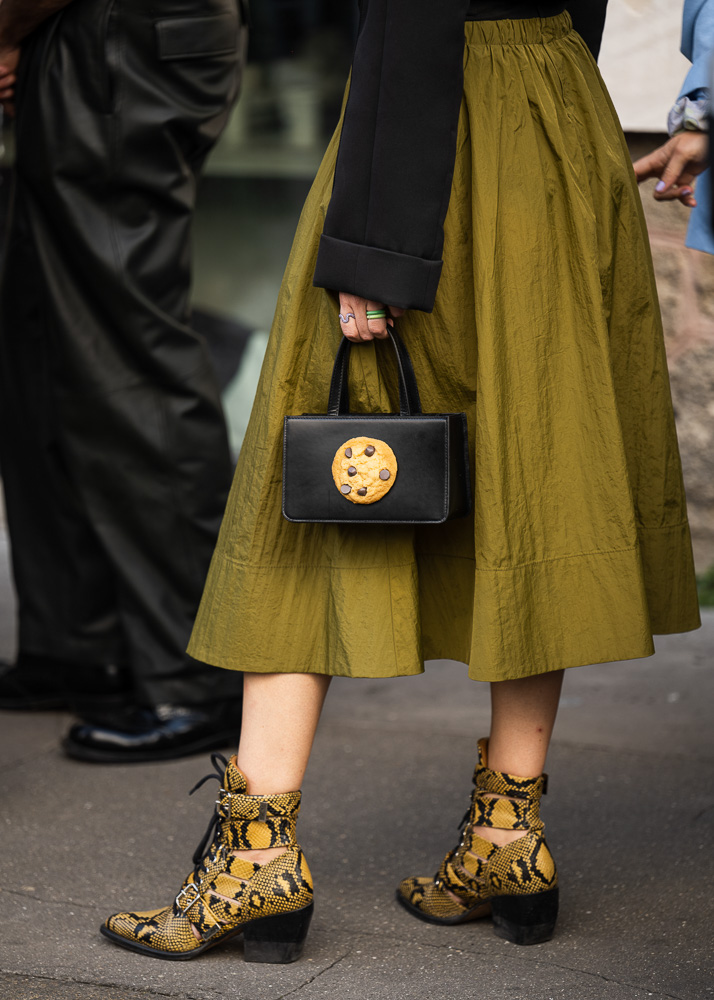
<point x="427" y="899"/>
<point x="153" y="932"/>
<point x="225" y="895"/>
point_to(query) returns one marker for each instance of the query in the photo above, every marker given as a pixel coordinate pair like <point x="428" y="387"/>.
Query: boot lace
<point x="213" y="832"/>
<point x="203" y="857"/>
<point x="468" y="812"/>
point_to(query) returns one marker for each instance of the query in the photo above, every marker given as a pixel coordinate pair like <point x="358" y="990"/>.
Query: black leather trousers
<point x="112" y="439"/>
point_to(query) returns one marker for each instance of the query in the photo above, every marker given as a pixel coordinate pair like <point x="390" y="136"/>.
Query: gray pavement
<point x="630" y="819"/>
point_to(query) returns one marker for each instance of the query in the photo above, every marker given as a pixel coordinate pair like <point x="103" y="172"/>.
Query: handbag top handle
<point x="339" y="401"/>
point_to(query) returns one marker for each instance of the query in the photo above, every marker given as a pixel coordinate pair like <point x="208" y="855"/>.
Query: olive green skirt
<point x="547" y="332"/>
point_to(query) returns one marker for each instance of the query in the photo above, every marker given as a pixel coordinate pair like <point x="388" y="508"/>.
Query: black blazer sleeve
<point x="383" y="232"/>
<point x="589" y="20"/>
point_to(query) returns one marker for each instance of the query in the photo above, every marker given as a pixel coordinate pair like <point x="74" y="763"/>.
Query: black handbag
<point x="375" y="468"/>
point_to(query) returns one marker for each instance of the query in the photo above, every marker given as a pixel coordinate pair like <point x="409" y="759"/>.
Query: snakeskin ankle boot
<point x="270" y="905"/>
<point x="515" y="884"/>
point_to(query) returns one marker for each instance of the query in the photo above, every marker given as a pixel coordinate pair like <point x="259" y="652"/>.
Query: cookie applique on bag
<point x="364" y="469"/>
<point x="375" y="468"/>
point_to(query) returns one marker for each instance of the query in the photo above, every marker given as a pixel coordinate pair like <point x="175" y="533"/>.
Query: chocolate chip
<point x="348" y="453"/>
<point x="352" y="471"/>
<point x="346" y="489"/>
<point x="384" y="474"/>
<point x="369" y="450"/>
<point x="362" y="492"/>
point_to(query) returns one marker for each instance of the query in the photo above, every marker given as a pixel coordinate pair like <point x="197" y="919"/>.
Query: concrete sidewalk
<point x="630" y="818"/>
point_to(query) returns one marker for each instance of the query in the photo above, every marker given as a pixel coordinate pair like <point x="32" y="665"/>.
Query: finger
<point x="673" y="193"/>
<point x="651" y="165"/>
<point x="656" y="162"/>
<point x="347" y="317"/>
<point x="682" y="191"/>
<point x="671" y="174"/>
<point x="360" y="308"/>
<point x="348" y="325"/>
<point x="376" y="324"/>
<point x="349" y="328"/>
<point x="394" y="313"/>
<point x="687" y="180"/>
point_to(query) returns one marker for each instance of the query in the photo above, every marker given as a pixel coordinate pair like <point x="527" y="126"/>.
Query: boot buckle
<point x="224" y="799"/>
<point x="184" y="900"/>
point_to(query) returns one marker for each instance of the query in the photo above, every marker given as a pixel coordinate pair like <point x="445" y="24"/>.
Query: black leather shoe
<point x="42" y="683"/>
<point x="161" y="733"/>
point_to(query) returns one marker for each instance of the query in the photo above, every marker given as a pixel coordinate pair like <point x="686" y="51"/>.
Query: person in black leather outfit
<point x="113" y="444"/>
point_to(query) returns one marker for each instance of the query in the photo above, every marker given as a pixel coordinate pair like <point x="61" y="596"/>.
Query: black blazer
<point x="383" y="233"/>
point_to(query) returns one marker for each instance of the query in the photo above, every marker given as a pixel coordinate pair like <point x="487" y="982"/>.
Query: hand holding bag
<point x="375" y="468"/>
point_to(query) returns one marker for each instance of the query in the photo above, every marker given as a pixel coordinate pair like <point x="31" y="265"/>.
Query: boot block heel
<point x="525" y="919"/>
<point x="278" y="939"/>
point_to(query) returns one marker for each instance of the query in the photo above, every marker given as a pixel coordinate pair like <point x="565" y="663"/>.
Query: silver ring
<point x="347" y="318"/>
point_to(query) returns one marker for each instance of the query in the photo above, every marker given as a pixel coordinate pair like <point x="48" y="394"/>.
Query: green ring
<point x="376" y="314"/>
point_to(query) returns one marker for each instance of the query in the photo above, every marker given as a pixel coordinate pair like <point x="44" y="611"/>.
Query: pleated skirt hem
<point x="498" y="640"/>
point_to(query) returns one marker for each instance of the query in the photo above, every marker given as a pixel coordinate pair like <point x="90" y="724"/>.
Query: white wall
<point x="641" y="62"/>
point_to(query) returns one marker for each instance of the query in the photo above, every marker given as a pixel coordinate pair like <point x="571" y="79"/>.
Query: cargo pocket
<point x="198" y="37"/>
<point x="199" y="61"/>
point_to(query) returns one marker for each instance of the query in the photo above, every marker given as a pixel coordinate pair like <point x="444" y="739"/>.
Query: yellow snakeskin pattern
<point x="261" y="821"/>
<point x="477" y="870"/>
<point x="159" y="929"/>
<point x="282" y="886"/>
<point x="224" y="892"/>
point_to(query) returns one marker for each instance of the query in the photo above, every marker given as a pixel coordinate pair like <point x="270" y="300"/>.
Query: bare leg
<point x="470" y="881"/>
<point x="280" y="716"/>
<point x="522" y="718"/>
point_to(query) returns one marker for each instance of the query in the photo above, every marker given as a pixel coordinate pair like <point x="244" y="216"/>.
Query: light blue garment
<point x="698" y="45"/>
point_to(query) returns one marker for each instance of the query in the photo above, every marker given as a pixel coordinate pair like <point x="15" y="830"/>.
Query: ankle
<point x="497" y="836"/>
<point x="261" y="856"/>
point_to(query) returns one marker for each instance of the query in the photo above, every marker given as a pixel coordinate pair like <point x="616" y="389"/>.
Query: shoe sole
<point x="520" y="933"/>
<point x="273" y="949"/>
<point x="92" y="756"/>
<point x="477" y="913"/>
<point x="168" y="956"/>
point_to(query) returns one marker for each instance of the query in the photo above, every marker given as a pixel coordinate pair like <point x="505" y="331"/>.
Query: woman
<point x="539" y="320"/>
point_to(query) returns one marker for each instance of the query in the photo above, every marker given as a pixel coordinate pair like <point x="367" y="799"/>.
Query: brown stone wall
<point x="685" y="279"/>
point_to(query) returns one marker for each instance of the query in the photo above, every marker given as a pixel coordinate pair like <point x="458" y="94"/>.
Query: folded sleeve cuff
<point x="397" y="279"/>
